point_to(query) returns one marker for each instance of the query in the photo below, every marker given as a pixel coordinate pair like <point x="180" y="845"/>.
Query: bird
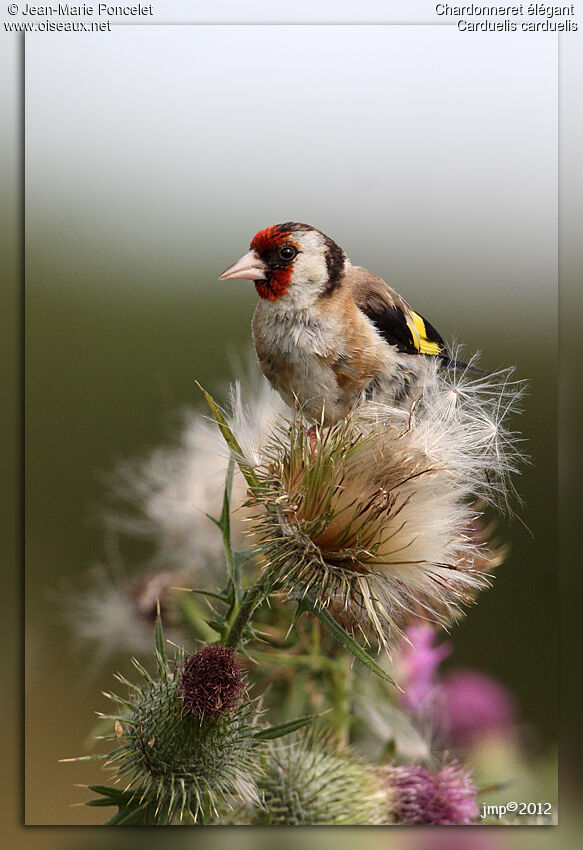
<point x="330" y="336"/>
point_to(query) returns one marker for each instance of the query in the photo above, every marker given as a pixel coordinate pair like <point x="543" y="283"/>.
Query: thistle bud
<point x="309" y="780"/>
<point x="184" y="743"/>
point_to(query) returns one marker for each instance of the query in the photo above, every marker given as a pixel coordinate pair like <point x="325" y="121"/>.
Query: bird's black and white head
<point x="292" y="264"/>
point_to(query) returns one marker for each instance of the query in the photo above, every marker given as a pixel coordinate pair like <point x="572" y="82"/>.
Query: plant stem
<point x="340" y="680"/>
<point x="251" y="599"/>
<point x="316" y="638"/>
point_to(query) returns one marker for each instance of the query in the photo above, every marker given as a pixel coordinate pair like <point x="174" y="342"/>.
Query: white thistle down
<point x="461" y="420"/>
<point x="114" y="612"/>
<point x="167" y="497"/>
<point x="377" y="516"/>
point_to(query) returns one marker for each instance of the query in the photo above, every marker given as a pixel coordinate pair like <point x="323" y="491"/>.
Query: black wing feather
<point x="392" y="325"/>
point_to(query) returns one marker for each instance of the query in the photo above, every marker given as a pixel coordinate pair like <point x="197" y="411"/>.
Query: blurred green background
<point x="151" y="160"/>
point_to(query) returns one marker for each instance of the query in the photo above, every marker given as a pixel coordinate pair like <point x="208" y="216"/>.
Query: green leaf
<point x="216" y="625"/>
<point x="244" y="555"/>
<point x="117" y="794"/>
<point x="223" y="595"/>
<point x="230" y="439"/>
<point x="130" y="811"/>
<point x="233" y="566"/>
<point x="308" y="603"/>
<point x="196" y="617"/>
<point x="284" y="728"/>
<point x="389" y="752"/>
<point x="225" y="518"/>
<point x="141" y="816"/>
<point x="283" y="659"/>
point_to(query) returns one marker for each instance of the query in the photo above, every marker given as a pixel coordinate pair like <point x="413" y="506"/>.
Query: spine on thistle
<point x="185" y="740"/>
<point x="310" y="780"/>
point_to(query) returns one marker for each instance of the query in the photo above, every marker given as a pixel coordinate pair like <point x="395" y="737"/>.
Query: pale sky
<point x="429" y="155"/>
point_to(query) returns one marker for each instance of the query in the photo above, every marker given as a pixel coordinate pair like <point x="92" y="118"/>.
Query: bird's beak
<point x="249" y="267"/>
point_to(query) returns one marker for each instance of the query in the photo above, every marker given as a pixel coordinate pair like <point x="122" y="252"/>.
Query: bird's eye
<point x="287" y="252"/>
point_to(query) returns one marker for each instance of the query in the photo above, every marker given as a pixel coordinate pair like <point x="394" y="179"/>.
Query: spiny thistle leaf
<point x="140" y="816"/>
<point x="222" y="595"/>
<point x="230" y="439"/>
<point x="309" y="603"/>
<point x="233" y="568"/>
<point x="281" y="729"/>
<point x="108" y="792"/>
<point x="131" y="810"/>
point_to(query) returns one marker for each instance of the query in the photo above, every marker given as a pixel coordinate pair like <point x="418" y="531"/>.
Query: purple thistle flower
<point x="211" y="682"/>
<point x="463" y="706"/>
<point x="418" y="663"/>
<point x="417" y="795"/>
<point x="474" y="705"/>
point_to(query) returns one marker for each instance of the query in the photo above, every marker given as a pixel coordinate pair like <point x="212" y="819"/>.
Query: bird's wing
<point x="396" y="322"/>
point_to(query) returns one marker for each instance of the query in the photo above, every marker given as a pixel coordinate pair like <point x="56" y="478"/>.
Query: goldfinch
<point x="330" y="335"/>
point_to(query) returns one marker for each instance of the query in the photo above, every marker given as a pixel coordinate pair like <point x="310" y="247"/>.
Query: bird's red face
<point x="269" y="262"/>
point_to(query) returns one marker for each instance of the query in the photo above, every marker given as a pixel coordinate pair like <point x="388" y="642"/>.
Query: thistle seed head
<point x="378" y="518"/>
<point x="114" y="611"/>
<point x="166" y="497"/>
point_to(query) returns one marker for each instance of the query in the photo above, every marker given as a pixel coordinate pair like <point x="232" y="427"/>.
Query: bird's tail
<point x="459" y="365"/>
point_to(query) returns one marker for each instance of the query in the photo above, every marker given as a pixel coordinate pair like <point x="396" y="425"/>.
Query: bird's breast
<point x="313" y="360"/>
<point x="293" y="335"/>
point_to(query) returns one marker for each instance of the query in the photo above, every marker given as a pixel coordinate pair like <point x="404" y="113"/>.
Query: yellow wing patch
<point x="418" y="330"/>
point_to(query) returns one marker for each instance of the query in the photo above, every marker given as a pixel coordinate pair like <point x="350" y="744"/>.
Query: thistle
<point x="310" y="780"/>
<point x="461" y="707"/>
<point x="369" y="525"/>
<point x="418" y="660"/>
<point x="377" y="517"/>
<point x="186" y="748"/>
<point x="211" y="682"/>
<point x="473" y="706"/>
<point x="418" y="795"/>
